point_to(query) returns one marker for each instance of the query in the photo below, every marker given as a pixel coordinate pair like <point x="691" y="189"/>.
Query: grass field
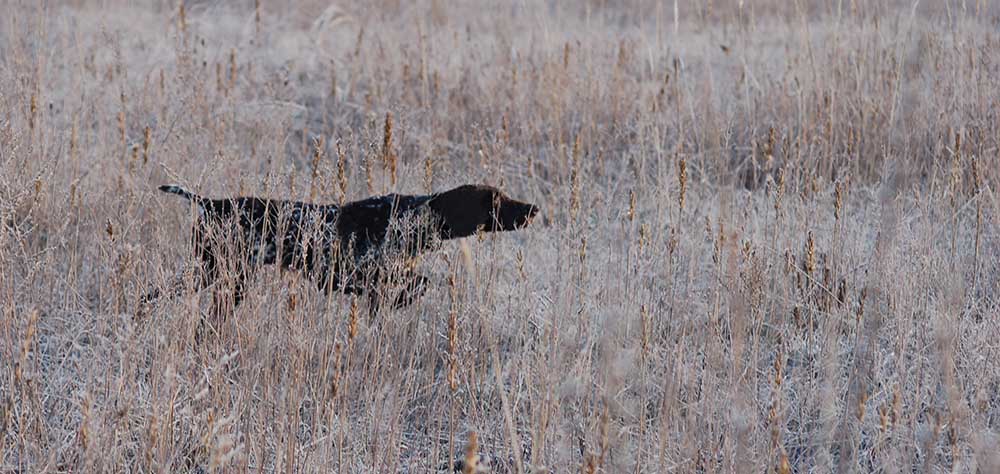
<point x="770" y="238"/>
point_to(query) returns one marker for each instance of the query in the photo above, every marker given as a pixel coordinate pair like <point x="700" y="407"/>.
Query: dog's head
<point x="470" y="208"/>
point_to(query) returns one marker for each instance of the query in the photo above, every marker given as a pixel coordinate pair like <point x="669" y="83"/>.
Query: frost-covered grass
<point x="769" y="238"/>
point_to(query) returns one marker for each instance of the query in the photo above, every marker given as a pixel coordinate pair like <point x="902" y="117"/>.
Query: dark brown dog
<point x="353" y="248"/>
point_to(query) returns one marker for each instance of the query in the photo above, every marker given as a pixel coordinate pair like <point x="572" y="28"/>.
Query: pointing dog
<point x="352" y="248"/>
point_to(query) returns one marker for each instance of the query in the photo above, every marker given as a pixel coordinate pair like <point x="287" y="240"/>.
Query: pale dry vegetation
<point x="770" y="235"/>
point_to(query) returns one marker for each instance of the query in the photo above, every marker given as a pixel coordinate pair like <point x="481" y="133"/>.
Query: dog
<point x="355" y="248"/>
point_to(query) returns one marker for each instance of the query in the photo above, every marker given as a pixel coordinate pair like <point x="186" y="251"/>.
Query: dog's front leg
<point x="416" y="286"/>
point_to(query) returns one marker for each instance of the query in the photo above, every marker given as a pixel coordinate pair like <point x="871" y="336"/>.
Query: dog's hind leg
<point x="173" y="288"/>
<point x="374" y="304"/>
<point x="205" y="273"/>
<point x="373" y="285"/>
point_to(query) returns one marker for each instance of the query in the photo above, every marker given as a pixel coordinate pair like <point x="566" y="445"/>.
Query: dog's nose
<point x="532" y="210"/>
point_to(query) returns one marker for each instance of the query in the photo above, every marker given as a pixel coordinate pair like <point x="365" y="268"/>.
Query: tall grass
<point x="769" y="237"/>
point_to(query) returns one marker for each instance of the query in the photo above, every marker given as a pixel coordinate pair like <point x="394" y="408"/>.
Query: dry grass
<point x="770" y="239"/>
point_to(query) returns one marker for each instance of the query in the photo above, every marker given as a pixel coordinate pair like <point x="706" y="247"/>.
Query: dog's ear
<point x="463" y="210"/>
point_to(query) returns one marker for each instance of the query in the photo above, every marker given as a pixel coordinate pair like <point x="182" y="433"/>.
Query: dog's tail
<point x="180" y="191"/>
<point x="204" y="205"/>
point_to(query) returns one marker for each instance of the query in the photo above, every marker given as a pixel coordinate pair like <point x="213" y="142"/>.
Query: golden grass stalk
<point x="574" y="201"/>
<point x="146" y="141"/>
<point x="122" y="128"/>
<point x="389" y="159"/>
<point x="809" y="262"/>
<point x="429" y="174"/>
<point x="32" y="111"/>
<point x="779" y="189"/>
<point x="319" y="146"/>
<point x="135" y="158"/>
<point x="352" y="324"/>
<point x="335" y="380"/>
<point x="838" y="200"/>
<point x="74" y="143"/>
<point x="182" y="17"/>
<point x="682" y="180"/>
<point x="453" y="335"/>
<point x="784" y="467"/>
<point x="630" y="215"/>
<point x="471" y="461"/>
<point x="256" y="16"/>
<point x="341" y="173"/>
<point x="27" y="342"/>
<point x="232" y="68"/>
